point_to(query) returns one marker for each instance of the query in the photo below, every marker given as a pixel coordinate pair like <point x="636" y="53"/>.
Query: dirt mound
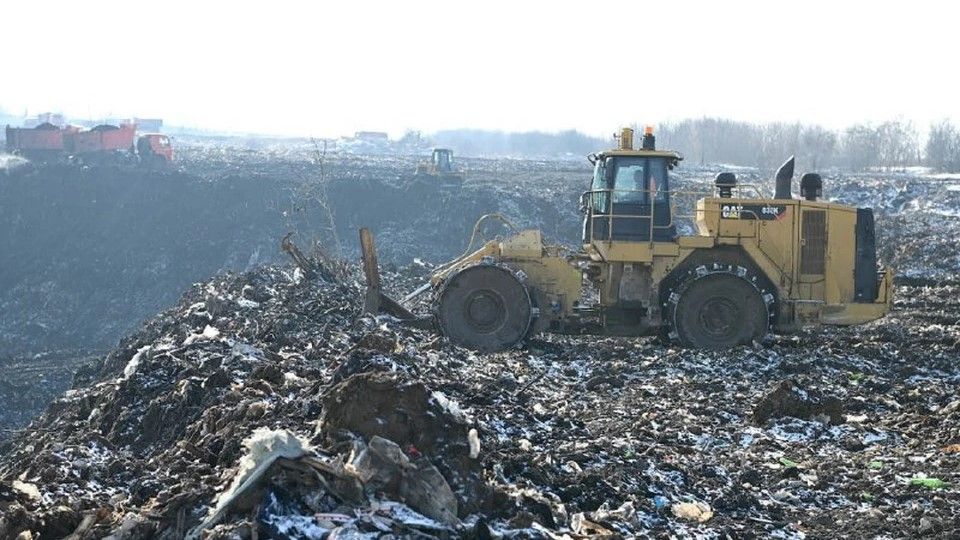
<point x="406" y="412"/>
<point x="789" y="399"/>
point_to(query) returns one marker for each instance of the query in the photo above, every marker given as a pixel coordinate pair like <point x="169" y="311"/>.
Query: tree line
<point x="890" y="145"/>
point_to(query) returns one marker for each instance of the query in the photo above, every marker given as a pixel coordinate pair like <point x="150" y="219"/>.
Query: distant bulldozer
<point x="754" y="265"/>
<point x="439" y="170"/>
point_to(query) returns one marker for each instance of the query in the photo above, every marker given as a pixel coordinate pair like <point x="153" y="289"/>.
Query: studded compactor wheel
<point x="719" y="307"/>
<point x="485" y="307"/>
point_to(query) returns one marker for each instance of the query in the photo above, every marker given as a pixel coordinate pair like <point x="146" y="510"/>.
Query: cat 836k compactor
<point x="755" y="265"/>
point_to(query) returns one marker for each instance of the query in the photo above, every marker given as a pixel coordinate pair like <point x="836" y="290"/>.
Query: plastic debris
<point x="692" y="511"/>
<point x="931" y="483"/>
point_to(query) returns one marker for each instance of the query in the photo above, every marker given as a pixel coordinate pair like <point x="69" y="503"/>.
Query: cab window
<point x="631" y="180"/>
<point x="628" y="181"/>
<point x="657" y="179"/>
<point x="638" y="180"/>
<point x="600" y="199"/>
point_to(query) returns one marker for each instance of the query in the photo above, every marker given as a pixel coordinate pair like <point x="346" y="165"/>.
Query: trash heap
<point x="266" y="404"/>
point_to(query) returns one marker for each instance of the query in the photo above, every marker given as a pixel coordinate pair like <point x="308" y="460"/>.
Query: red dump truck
<point x="103" y="143"/>
<point x="102" y="139"/>
<point x="43" y="142"/>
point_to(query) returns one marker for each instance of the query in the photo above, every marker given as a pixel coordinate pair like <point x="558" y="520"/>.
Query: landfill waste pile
<point x="89" y="253"/>
<point x="910" y="211"/>
<point x="265" y="404"/>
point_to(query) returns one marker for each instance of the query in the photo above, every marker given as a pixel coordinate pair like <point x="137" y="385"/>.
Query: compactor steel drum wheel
<point x="485" y="307"/>
<point x="719" y="310"/>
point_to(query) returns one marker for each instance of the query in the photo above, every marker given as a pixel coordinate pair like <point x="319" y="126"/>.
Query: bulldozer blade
<point x="375" y="300"/>
<point x="371" y="270"/>
<point x="298" y="257"/>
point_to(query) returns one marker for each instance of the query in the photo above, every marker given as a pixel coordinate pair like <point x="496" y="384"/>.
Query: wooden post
<point x="371" y="271"/>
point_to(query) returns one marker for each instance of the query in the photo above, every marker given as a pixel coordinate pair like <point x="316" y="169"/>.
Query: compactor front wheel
<point x="485" y="307"/>
<point x="718" y="310"/>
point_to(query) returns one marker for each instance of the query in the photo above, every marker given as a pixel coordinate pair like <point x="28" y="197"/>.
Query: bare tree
<point x="818" y="146"/>
<point x="309" y="194"/>
<point x="897" y="142"/>
<point x="860" y="147"/>
<point x="943" y="147"/>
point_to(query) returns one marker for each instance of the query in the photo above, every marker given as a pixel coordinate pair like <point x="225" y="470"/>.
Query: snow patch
<point x="134" y="363"/>
<point x="209" y="333"/>
<point x="794" y="430"/>
<point x="872" y="437"/>
<point x="449" y="405"/>
<point x="28" y="489"/>
<point x="405" y="514"/>
<point x="294" y="525"/>
<point x="10" y="162"/>
<point x="245" y="303"/>
<point x="243" y="349"/>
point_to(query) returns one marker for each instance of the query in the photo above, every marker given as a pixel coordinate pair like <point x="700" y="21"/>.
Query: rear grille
<point x="814" y="246"/>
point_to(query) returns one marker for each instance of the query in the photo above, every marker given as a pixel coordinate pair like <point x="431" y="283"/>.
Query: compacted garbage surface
<point x="266" y="404"/>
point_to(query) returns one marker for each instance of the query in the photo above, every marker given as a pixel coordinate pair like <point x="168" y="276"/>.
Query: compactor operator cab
<point x="442" y="160"/>
<point x="629" y="198"/>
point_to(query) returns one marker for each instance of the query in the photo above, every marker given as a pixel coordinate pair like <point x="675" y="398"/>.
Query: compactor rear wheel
<point x="485" y="307"/>
<point x="719" y="310"/>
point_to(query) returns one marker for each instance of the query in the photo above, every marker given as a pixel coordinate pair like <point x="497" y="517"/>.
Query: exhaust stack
<point x="784" y="179"/>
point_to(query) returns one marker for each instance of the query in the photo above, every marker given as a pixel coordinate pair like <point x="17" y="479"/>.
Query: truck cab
<point x="155" y="148"/>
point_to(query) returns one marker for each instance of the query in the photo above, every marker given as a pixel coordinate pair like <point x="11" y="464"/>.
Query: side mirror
<point x="584" y="201"/>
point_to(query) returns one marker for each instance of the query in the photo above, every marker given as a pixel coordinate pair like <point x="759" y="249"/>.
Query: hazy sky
<point x="330" y="68"/>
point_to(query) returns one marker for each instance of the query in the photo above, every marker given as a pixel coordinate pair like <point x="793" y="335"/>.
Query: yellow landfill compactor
<point x="755" y="265"/>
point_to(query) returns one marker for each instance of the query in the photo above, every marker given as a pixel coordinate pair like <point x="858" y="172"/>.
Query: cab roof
<point x="640" y="153"/>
